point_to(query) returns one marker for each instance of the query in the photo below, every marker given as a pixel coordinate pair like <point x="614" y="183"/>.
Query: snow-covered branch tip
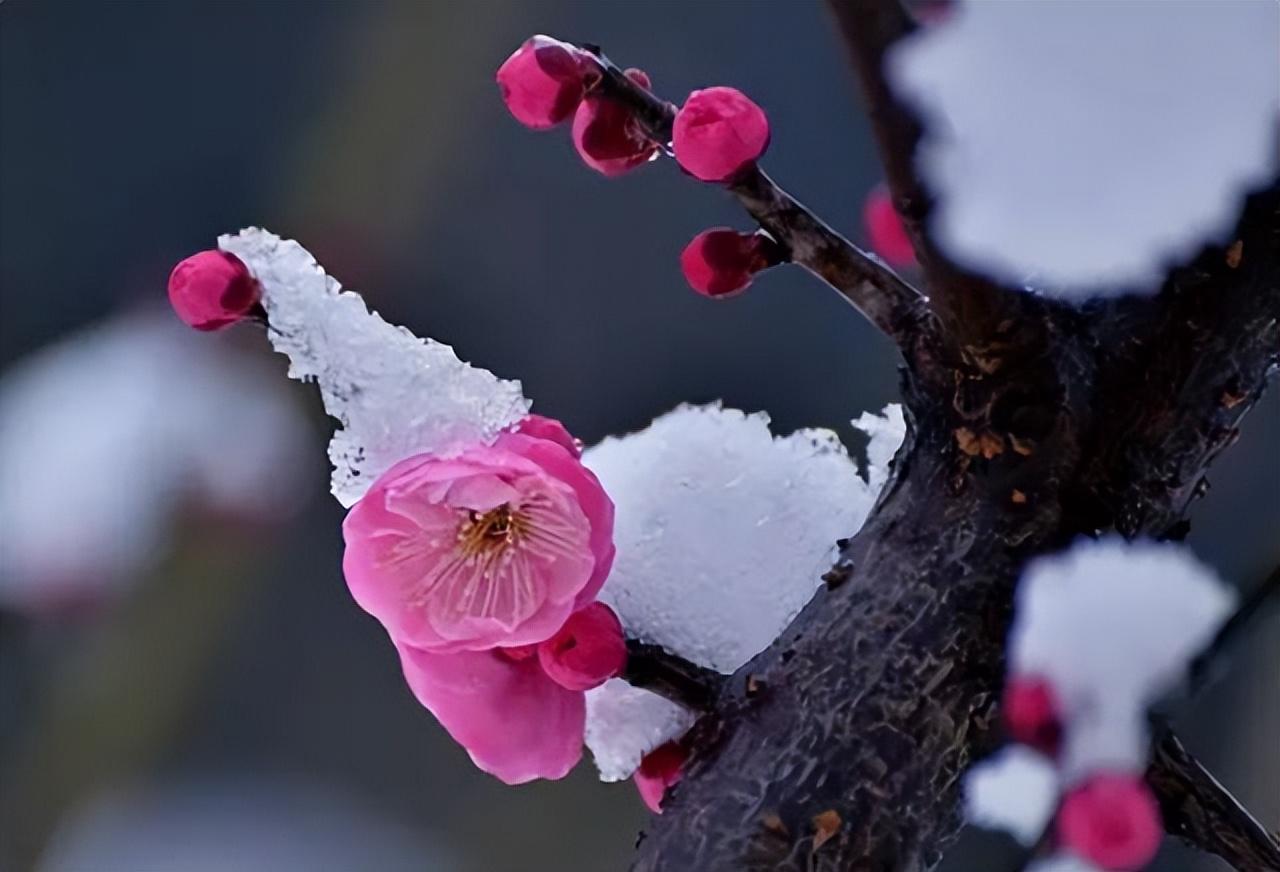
<point x="716" y="137"/>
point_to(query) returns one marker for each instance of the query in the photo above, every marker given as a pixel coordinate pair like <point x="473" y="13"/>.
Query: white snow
<point x="104" y="434"/>
<point x="394" y="395"/>
<point x="1087" y="147"/>
<point x="624" y="723"/>
<point x="1015" y="790"/>
<point x="723" y="531"/>
<point x="1112" y="625"/>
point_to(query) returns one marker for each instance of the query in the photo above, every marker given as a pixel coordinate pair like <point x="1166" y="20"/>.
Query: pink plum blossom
<point x="521" y="711"/>
<point x="496" y="546"/>
<point x="542" y="82"/>
<point x="1111" y="820"/>
<point x="659" y="769"/>
<point x="212" y="289"/>
<point x="718" y="133"/>
<point x="515" y="722"/>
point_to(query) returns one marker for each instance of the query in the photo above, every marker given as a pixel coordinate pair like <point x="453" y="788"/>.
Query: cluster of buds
<point x="1109" y="818"/>
<point x="717" y="137"/>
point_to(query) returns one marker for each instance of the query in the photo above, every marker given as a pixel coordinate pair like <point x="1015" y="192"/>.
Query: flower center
<point x="488" y="532"/>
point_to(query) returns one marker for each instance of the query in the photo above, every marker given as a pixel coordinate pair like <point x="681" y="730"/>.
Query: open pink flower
<point x="496" y="546"/>
<point x="520" y="712"/>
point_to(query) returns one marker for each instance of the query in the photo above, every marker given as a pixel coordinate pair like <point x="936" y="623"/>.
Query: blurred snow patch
<point x="241" y="823"/>
<point x="394" y="395"/>
<point x="1112" y="626"/>
<point x="723" y="531"/>
<point x="1087" y="147"/>
<point x="104" y="434"/>
<point x="1014" y="790"/>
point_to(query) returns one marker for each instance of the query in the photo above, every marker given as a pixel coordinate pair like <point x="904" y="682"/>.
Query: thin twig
<point x="900" y="311"/>
<point x="1203" y="813"/>
<point x="969" y="306"/>
<point x="654" y="668"/>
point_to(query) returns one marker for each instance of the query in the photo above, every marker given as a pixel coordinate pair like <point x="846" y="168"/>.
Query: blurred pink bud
<point x="606" y="134"/>
<point x="721" y="261"/>
<point x="1031" y="714"/>
<point x="1111" y="820"/>
<point x="659" y="769"/>
<point x="885" y="229"/>
<point x="495" y="546"/>
<point x="542" y="82"/>
<point x="212" y="289"/>
<point x="587" y="651"/>
<point x="718" y="133"/>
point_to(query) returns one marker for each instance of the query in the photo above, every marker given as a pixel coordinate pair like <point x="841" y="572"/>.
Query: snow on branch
<point x="716" y="521"/>
<point x="1084" y="148"/>
<point x="394" y="395"/>
<point x="1112" y="626"/>
<point x="1099" y="633"/>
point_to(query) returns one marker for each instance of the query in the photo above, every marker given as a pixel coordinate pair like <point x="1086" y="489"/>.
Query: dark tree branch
<point x="1031" y="423"/>
<point x="654" y="668"/>
<point x="1204" y="814"/>
<point x="891" y="304"/>
<point x="970" y="307"/>
<point x="884" y="688"/>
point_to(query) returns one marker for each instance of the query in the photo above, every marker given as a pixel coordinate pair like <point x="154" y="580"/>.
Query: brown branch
<point x="656" y="669"/>
<point x="970" y="306"/>
<point x="1204" y="814"/>
<point x="885" y="299"/>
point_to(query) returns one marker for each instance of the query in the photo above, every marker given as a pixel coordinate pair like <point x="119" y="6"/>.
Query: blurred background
<point x="184" y="681"/>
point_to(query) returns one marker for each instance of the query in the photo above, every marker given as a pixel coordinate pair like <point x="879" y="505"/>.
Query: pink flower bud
<point x="588" y="650"/>
<point x="542" y="83"/>
<point x="885" y="229"/>
<point x="1031" y="715"/>
<point x="659" y="769"/>
<point x="718" y="133"/>
<point x="212" y="289"/>
<point x="606" y="134"/>
<point x="1111" y="820"/>
<point x="721" y="261"/>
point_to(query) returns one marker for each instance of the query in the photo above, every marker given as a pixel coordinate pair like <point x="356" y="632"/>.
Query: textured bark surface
<point x="1054" y="423"/>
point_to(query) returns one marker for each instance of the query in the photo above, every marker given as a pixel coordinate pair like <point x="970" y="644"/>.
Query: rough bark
<point x="884" y="688"/>
<point x="1031" y="423"/>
